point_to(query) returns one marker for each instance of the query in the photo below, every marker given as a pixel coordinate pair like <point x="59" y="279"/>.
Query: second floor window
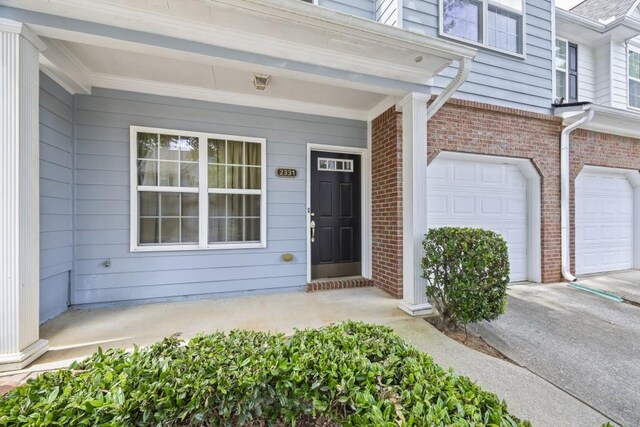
<point x="566" y="71"/>
<point x="496" y="24"/>
<point x="634" y="79"/>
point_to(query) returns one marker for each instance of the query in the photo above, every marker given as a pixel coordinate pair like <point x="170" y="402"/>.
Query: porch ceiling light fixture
<point x="260" y="81"/>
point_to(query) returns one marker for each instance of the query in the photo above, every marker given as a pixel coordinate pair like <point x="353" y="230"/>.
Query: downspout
<point x="564" y="192"/>
<point x="464" y="67"/>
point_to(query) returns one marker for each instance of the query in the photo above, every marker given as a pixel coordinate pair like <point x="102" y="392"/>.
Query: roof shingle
<point x="603" y="9"/>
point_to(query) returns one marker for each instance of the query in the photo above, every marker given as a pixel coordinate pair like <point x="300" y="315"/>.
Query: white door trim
<point x="534" y="232"/>
<point x="633" y="176"/>
<point x="365" y="202"/>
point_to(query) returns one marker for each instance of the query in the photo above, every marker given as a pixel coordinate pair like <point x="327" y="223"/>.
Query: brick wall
<point x="598" y="149"/>
<point x="386" y="201"/>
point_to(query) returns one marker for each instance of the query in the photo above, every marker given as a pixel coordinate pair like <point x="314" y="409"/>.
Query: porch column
<point x="414" y="201"/>
<point x="19" y="197"/>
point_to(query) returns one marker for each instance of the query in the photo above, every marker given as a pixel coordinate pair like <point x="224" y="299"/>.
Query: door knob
<point x="313" y="231"/>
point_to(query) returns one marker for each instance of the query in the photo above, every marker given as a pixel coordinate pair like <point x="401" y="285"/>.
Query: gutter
<point x="464" y="68"/>
<point x="565" y="167"/>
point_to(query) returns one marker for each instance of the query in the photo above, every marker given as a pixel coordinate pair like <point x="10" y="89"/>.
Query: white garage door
<point x="485" y="195"/>
<point x="604" y="222"/>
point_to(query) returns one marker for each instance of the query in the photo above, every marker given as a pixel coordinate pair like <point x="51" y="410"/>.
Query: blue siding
<point x="497" y="78"/>
<point x="362" y="8"/>
<point x="102" y="198"/>
<point x="56" y="235"/>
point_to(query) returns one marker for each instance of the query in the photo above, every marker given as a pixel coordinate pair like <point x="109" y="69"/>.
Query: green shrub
<point x="467" y="272"/>
<point x="354" y="374"/>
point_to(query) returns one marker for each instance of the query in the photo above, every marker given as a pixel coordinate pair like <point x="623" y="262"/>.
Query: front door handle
<point x="313" y="231"/>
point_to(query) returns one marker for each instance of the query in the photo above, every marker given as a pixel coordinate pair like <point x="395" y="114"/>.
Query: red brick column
<point x="386" y="201"/>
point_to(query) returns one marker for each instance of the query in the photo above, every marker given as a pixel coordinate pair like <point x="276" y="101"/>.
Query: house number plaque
<point x="286" y="172"/>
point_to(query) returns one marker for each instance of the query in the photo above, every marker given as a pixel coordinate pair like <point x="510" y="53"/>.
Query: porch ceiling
<point x="316" y="55"/>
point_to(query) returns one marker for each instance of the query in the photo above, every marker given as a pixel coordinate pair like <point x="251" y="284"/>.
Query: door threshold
<point x="331" y="283"/>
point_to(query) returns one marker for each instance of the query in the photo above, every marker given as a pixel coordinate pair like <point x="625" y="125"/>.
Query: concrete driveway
<point x="584" y="344"/>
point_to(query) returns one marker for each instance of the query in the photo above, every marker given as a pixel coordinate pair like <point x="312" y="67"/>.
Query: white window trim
<point x="203" y="191"/>
<point x="630" y="49"/>
<point x="566" y="71"/>
<point x="485" y="28"/>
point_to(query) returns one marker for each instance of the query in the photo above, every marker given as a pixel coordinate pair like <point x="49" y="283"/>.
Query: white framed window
<point x="633" y="77"/>
<point x="194" y="190"/>
<point x="495" y="24"/>
<point x="336" y="165"/>
<point x="566" y="78"/>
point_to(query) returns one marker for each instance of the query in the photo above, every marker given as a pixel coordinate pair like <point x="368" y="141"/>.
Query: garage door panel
<point x="481" y="195"/>
<point x="604" y="222"/>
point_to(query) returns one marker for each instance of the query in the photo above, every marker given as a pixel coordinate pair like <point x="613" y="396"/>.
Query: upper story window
<point x="496" y="24"/>
<point x="193" y="190"/>
<point x="634" y="78"/>
<point x="566" y="71"/>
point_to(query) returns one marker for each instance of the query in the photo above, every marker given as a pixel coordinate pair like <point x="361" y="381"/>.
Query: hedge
<point x="353" y="374"/>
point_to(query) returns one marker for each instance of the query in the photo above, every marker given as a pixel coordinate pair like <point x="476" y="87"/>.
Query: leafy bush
<point x="354" y="374"/>
<point x="467" y="272"/>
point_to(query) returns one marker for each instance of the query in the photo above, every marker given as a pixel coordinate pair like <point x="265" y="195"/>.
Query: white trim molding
<point x="365" y="201"/>
<point x="414" y="202"/>
<point x="20" y="341"/>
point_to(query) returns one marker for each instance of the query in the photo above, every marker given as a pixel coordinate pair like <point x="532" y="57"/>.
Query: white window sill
<point x="482" y="45"/>
<point x="222" y="246"/>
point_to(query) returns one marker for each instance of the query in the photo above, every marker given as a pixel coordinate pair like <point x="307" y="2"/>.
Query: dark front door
<point x="335" y="215"/>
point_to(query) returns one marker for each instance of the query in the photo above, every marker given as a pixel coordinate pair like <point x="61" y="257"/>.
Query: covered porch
<point x="282" y="75"/>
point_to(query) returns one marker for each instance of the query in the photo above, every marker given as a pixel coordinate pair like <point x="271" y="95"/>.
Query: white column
<point x="414" y="201"/>
<point x="19" y="197"/>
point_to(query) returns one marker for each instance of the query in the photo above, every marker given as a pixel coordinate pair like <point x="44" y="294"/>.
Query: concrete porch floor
<point x="78" y="333"/>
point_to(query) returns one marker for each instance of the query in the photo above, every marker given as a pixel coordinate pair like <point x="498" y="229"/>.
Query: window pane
<point x="149" y="204"/>
<point x="147" y="145"/>
<point x="462" y="18"/>
<point x="147" y="172"/>
<point x="216" y="150"/>
<point x="252" y="229"/>
<point x="234" y="176"/>
<point x="235" y="205"/>
<point x="252" y="205"/>
<point x="254" y="178"/>
<point x="169" y="230"/>
<point x="217" y="204"/>
<point x="169" y="147"/>
<point x="189" y="174"/>
<point x="168" y="174"/>
<point x="234" y="230"/>
<point x="217" y="230"/>
<point x="634" y="65"/>
<point x="504" y="30"/>
<point x="217" y="176"/>
<point x="561" y="55"/>
<point x="170" y="204"/>
<point x="149" y="230"/>
<point x="254" y="154"/>
<point x="190" y="230"/>
<point x="190" y="205"/>
<point x="234" y="152"/>
<point x="561" y="85"/>
<point x="189" y="151"/>
<point x="634" y="93"/>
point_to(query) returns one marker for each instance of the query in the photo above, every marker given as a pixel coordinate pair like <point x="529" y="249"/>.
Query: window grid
<point x="634" y="79"/>
<point x="562" y="75"/>
<point x="494" y="31"/>
<point x="251" y="162"/>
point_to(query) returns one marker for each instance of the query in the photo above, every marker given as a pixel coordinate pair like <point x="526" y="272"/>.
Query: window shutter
<point x="573" y="72"/>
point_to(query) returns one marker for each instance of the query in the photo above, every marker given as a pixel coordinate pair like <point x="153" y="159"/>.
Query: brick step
<point x="338" y="283"/>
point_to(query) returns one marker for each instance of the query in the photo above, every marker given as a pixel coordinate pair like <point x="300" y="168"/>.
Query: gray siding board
<point x="361" y="8"/>
<point x="56" y="230"/>
<point x="102" y="198"/>
<point x="498" y="78"/>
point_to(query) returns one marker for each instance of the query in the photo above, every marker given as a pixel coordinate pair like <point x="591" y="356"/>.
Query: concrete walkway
<point x="78" y="333"/>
